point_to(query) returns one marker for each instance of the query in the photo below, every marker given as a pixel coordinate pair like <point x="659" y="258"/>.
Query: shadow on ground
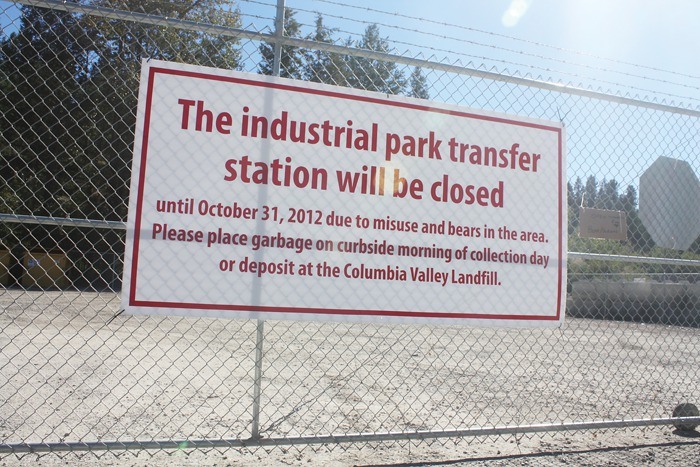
<point x="540" y="457"/>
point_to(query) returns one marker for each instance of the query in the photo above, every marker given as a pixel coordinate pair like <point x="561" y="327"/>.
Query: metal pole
<point x="257" y="385"/>
<point x="279" y="34"/>
<point x="260" y="335"/>
<point x="635" y="259"/>
<point x="62" y="221"/>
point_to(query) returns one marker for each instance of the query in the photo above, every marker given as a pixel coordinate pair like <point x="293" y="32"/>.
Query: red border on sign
<point x="328" y="311"/>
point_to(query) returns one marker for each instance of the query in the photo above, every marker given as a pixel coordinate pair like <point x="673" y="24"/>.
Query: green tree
<point x="375" y="75"/>
<point x="292" y="58"/>
<point x="418" y="84"/>
<point x="628" y="201"/>
<point x="325" y="67"/>
<point x="574" y="197"/>
<point x="68" y="106"/>
<point x="590" y="192"/>
<point x="42" y="68"/>
<point x="608" y="196"/>
<point x="113" y="89"/>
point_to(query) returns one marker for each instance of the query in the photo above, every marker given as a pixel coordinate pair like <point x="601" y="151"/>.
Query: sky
<point x="603" y="43"/>
<point x="647" y="32"/>
<point x="644" y="49"/>
<point x="625" y="42"/>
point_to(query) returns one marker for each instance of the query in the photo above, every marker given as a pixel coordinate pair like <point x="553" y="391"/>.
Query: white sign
<point x="669" y="203"/>
<point x="263" y="197"/>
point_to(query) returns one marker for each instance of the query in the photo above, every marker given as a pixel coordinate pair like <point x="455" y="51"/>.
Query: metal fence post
<point x="260" y="335"/>
<point x="257" y="387"/>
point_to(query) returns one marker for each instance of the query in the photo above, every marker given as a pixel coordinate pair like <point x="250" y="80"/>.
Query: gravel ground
<point x="72" y="369"/>
<point x="657" y="446"/>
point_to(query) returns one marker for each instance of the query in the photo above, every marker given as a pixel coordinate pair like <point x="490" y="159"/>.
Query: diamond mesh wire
<point x="76" y="370"/>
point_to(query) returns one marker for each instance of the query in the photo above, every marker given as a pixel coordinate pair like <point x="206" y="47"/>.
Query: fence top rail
<point x="363" y="53"/>
<point x="634" y="259"/>
<point x="118" y="225"/>
<point x="62" y="222"/>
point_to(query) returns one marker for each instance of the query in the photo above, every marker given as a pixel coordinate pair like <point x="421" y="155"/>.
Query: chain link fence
<point x="76" y="374"/>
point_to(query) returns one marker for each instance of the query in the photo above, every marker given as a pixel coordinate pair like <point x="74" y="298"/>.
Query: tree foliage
<point x="371" y="74"/>
<point x="42" y="71"/>
<point x="418" y="84"/>
<point x="68" y="105"/>
<point x="339" y="69"/>
<point x="325" y="67"/>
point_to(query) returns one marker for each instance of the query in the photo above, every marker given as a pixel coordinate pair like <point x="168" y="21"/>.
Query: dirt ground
<point x="72" y="369"/>
<point x="655" y="446"/>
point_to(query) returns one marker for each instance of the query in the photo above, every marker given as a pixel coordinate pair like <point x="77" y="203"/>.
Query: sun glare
<point x="515" y="11"/>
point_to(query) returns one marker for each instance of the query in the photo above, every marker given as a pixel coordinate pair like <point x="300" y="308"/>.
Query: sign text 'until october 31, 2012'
<point x="255" y="196"/>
